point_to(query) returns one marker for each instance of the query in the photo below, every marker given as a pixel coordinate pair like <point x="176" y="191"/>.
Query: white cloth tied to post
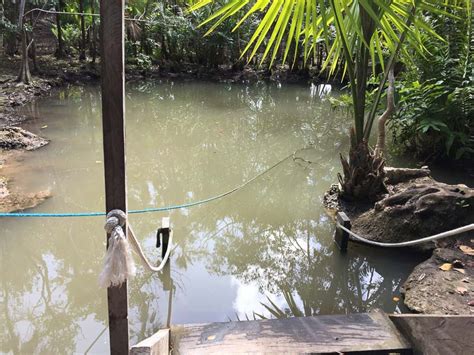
<point x="118" y="264"/>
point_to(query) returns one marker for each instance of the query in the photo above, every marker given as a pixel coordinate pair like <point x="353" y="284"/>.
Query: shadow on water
<point x="268" y="243"/>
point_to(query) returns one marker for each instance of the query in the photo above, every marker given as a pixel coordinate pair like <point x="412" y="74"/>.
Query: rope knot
<point x="115" y="218"/>
<point x="118" y="263"/>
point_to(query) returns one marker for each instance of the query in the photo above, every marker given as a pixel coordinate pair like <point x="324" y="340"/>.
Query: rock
<point x="18" y="202"/>
<point x="431" y="290"/>
<point x="18" y="138"/>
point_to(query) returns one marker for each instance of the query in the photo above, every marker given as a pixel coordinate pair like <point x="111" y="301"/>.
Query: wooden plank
<point x="165" y="222"/>
<point x="157" y="344"/>
<point x="342" y="237"/>
<point x="113" y="127"/>
<point x="367" y="332"/>
<point x="437" y="334"/>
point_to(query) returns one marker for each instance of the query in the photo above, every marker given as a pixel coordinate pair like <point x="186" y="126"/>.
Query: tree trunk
<point x="144" y="35"/>
<point x="2" y="16"/>
<point x="33" y="47"/>
<point x="364" y="170"/>
<point x="24" y="75"/>
<point x="60" y="50"/>
<point x="33" y="55"/>
<point x="82" y="54"/>
<point x="93" y="35"/>
<point x="361" y="74"/>
<point x="10" y="37"/>
<point x="380" y="147"/>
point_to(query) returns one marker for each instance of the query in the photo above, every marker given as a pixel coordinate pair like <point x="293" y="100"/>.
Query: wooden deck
<point x="437" y="334"/>
<point x="368" y="333"/>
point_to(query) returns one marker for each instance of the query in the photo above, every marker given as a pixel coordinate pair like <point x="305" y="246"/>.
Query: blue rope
<point x="153" y="209"/>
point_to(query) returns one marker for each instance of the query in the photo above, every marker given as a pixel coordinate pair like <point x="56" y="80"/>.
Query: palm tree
<point x="362" y="33"/>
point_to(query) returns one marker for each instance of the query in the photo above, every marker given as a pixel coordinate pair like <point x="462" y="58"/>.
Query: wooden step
<point x="367" y="332"/>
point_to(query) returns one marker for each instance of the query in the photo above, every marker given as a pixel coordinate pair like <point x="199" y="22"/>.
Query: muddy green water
<point x="269" y="243"/>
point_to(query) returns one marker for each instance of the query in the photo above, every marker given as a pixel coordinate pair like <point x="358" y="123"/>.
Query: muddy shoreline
<point x="14" y="140"/>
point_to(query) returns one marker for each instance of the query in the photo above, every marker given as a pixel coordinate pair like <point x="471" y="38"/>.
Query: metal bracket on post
<point x="163" y="235"/>
<point x="341" y="237"/>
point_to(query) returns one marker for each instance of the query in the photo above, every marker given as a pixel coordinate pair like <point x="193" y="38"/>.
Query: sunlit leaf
<point x="446" y="266"/>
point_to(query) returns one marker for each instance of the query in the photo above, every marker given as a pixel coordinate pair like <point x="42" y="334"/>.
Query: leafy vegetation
<point x="436" y="116"/>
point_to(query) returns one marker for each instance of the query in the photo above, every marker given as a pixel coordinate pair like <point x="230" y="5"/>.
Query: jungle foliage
<point x="436" y="91"/>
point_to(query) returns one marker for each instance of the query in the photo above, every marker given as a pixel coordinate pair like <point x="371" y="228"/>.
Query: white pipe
<point x="449" y="233"/>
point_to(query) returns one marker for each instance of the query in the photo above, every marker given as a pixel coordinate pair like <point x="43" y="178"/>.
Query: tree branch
<point x="78" y="14"/>
<point x="380" y="147"/>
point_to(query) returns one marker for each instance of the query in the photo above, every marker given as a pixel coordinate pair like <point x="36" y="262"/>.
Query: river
<point x="266" y="247"/>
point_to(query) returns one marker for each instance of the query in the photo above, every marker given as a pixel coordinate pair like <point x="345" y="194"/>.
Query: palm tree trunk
<point x="364" y="170"/>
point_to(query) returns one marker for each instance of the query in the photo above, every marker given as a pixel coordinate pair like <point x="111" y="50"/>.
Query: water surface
<point x="270" y="243"/>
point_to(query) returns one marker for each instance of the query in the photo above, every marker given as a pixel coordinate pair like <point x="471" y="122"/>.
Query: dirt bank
<point x="443" y="284"/>
<point x="12" y="201"/>
<point x="15" y="141"/>
<point x="418" y="206"/>
<point x="54" y="73"/>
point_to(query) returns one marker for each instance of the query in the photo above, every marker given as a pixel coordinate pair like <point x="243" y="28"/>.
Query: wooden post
<point x="113" y="127"/>
<point x="342" y="237"/>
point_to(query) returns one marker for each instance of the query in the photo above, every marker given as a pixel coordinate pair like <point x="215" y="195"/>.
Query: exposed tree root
<point x="396" y="175"/>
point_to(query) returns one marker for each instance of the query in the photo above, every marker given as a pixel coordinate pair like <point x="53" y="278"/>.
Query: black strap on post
<point x="163" y="236"/>
<point x="159" y="233"/>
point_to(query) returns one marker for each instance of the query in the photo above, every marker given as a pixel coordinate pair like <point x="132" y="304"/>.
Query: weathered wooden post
<point x="113" y="127"/>
<point x="341" y="237"/>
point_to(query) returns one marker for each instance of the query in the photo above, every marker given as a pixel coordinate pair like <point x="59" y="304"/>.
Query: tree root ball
<point x="415" y="209"/>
